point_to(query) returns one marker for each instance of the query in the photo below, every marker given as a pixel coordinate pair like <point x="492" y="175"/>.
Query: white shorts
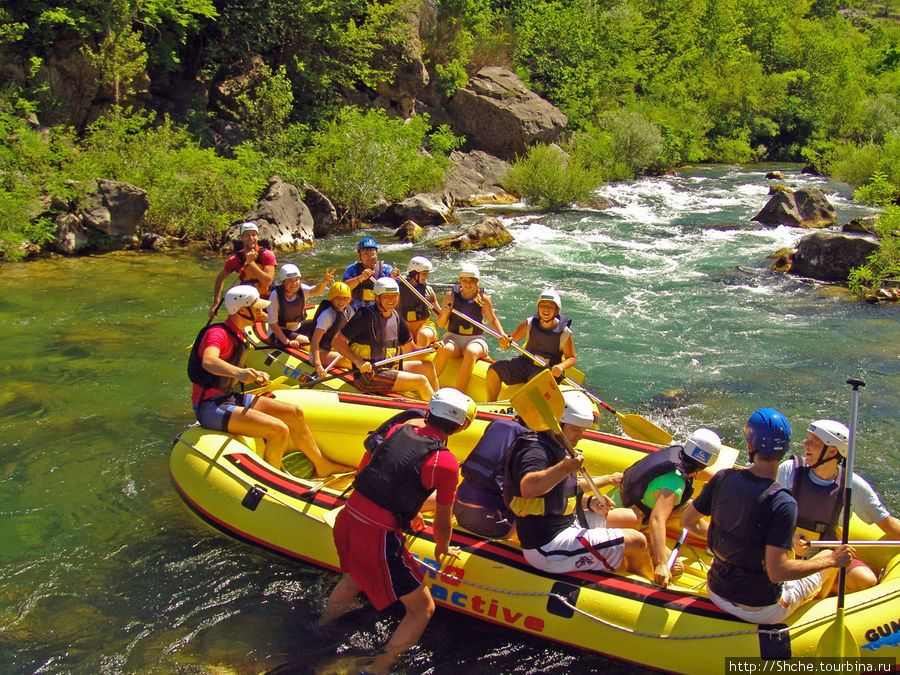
<point x="463" y="341"/>
<point x="794" y="594"/>
<point x="566" y="552"/>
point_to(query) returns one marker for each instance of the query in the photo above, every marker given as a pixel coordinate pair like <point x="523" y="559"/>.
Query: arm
<point x="569" y="358"/>
<point x="341" y="345"/>
<point x="327" y="280"/>
<point x="666" y="500"/>
<point x="781" y="567"/>
<point x="444" y="317"/>
<point x="353" y="282"/>
<point x="890" y="526"/>
<point x="443" y="529"/>
<point x="692" y="519"/>
<point x="316" y="354"/>
<point x="259" y="269"/>
<point x="218" y="366"/>
<point x="520" y="332"/>
<point x="217" y="291"/>
<point x="492" y="319"/>
<point x="537" y="483"/>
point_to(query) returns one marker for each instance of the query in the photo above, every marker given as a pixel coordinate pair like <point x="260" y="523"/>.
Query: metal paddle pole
<point x="847" y="479"/>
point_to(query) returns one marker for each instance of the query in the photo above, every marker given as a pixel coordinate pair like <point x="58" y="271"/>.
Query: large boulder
<point x="283" y="219"/>
<point x="109" y="218"/>
<point x="486" y="233"/>
<point x="829" y="256"/>
<point x="806" y="207"/>
<point x="324" y="214"/>
<point x="497" y="113"/>
<point x="424" y="208"/>
<point x="474" y="178"/>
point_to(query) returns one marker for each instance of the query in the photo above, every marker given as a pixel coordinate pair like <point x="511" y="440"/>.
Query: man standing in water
<point x="216" y="366"/>
<point x="751" y="528"/>
<point x="390" y="488"/>
<point x="255" y="265"/>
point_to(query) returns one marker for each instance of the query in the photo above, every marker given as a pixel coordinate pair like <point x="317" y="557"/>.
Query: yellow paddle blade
<point x="577" y="376"/>
<point x="330" y="516"/>
<point x="643" y="429"/>
<point x="277" y="383"/>
<point x="540" y="403"/>
<point x="837" y="640"/>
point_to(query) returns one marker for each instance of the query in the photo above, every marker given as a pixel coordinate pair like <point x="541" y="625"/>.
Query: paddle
<point x="837" y="637"/>
<point x="277" y="383"/>
<point x="673" y="556"/>
<point x="856" y="543"/>
<point x="384" y="362"/>
<point x="540" y="404"/>
<point x="634" y="425"/>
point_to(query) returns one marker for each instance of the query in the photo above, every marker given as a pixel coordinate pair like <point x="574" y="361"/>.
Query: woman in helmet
<point x="548" y="336"/>
<point x="416" y="312"/>
<point x="361" y="275"/>
<point x="655" y="487"/>
<point x="331" y="316"/>
<point x="750" y="532"/>
<point x="377" y="332"/>
<point x="216" y="367"/>
<point x="390" y="488"/>
<point x="254" y="265"/>
<point x="287" y="305"/>
<point x="463" y="339"/>
<point x="815" y="482"/>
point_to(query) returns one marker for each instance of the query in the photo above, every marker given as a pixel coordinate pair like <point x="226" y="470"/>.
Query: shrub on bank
<point x="549" y="179"/>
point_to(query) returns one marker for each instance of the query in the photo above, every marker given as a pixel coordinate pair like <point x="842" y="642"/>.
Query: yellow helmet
<point x="339" y="290"/>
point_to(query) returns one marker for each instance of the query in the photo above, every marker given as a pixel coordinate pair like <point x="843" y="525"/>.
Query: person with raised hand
<point x="254" y="264"/>
<point x="463" y="339"/>
<point x="377" y="332"/>
<point x="287" y="305"/>
<point x="416" y="312"/>
<point x="540" y="488"/>
<point x="362" y="274"/>
<point x="330" y="317"/>
<point x="216" y="367"/>
<point x="815" y="481"/>
<point x="549" y="336"/>
<point x="390" y="488"/>
<point x="751" y="529"/>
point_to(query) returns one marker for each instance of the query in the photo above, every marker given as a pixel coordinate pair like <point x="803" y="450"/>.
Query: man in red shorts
<point x="391" y="486"/>
<point x="377" y="332"/>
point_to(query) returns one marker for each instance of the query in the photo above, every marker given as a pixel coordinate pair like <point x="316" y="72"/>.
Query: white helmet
<point x="578" y="411"/>
<point x="238" y="297"/>
<point x="386" y="285"/>
<point x="468" y="269"/>
<point x="288" y="271"/>
<point x="249" y="227"/>
<point x="452" y="405"/>
<point x="419" y="263"/>
<point x="703" y="446"/>
<point x="832" y="432"/>
<point x="552" y="296"/>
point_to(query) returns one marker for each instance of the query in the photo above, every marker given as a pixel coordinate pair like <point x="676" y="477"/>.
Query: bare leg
<point x="637" y="554"/>
<point x="419" y="609"/>
<point x="258" y="424"/>
<point x="342" y="600"/>
<point x="444" y="354"/>
<point x="471" y="354"/>
<point x="425" y="368"/>
<point x="493" y="384"/>
<point x="407" y="381"/>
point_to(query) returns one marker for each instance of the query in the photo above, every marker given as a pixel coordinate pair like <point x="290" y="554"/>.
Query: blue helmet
<point x="366" y="242"/>
<point x="768" y="431"/>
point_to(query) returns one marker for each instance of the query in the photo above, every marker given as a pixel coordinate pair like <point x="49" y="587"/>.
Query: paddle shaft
<point x="673" y="556"/>
<point x="377" y="364"/>
<point x="847" y="478"/>
<point x="856" y="543"/>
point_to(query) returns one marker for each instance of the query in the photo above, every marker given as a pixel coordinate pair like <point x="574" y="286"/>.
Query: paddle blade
<point x="539" y="402"/>
<point x="837" y="640"/>
<point x="643" y="429"/>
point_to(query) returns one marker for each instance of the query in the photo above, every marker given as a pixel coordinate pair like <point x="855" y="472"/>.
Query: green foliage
<point x="635" y="139"/>
<point x="362" y="159"/>
<point x="884" y="264"/>
<point x="263" y="112"/>
<point x="442" y="140"/>
<point x="549" y="179"/>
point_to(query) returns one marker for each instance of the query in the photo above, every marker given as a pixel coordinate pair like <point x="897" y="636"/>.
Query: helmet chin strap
<point x="821" y="460"/>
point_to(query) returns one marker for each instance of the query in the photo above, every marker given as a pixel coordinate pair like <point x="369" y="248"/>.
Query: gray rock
<point x="150" y="241"/>
<point x="862" y="225"/>
<point x="115" y="208"/>
<point x="806" y="207"/>
<point x="497" y="113"/>
<point x="424" y="208"/>
<point x="409" y="232"/>
<point x="474" y="179"/>
<point x="71" y="236"/>
<point x="486" y="233"/>
<point x="282" y="217"/>
<point x="829" y="256"/>
<point x="323" y="213"/>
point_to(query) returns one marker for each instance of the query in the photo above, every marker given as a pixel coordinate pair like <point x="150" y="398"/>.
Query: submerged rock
<point x="486" y="233"/>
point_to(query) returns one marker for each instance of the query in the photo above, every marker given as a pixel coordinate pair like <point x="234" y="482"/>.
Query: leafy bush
<point x="549" y="179"/>
<point x="363" y="159"/>
<point x="635" y="139"/>
<point x="884" y="264"/>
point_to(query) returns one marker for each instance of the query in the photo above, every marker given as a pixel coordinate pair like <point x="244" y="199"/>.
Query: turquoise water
<point x="105" y="570"/>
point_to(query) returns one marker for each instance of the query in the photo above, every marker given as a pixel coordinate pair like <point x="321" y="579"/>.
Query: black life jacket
<point x="246" y="280"/>
<point x="638" y="476"/>
<point x="411" y="308"/>
<point x="393" y="478"/>
<point x="290" y="311"/>
<point x="381" y="340"/>
<point x="201" y="376"/>
<point x="818" y="506"/>
<point x="485" y="464"/>
<point x="736" y="534"/>
<point x="365" y="290"/>
<point x="376" y="437"/>
<point x="308" y="326"/>
<point x="470" y="308"/>
<point x="546" y="343"/>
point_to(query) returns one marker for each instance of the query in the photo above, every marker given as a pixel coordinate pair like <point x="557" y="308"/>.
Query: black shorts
<point x="516" y="370"/>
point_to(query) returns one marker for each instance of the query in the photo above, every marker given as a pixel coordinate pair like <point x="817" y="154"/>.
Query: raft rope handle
<point x="563" y="600"/>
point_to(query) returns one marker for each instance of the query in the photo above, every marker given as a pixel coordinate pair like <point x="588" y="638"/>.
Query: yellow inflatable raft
<point x="224" y="480"/>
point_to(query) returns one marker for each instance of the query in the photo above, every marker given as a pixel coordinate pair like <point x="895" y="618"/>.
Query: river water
<point x="676" y="315"/>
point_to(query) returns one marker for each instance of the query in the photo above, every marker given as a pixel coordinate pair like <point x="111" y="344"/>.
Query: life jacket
<point x="470" y="308"/>
<point x="411" y="308"/>
<point x="485" y="464"/>
<point x="559" y="501"/>
<point x="548" y="344"/>
<point x="818" y="506"/>
<point x="290" y="312"/>
<point x="376" y="437"/>
<point x="308" y="326"/>
<point x="638" y="476"/>
<point x="393" y="478"/>
<point x="201" y="376"/>
<point x="381" y="341"/>
<point x="365" y="290"/>
<point x="242" y="273"/>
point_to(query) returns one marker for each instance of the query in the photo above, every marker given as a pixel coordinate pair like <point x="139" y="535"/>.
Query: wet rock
<point x="150" y="241"/>
<point x="410" y="231"/>
<point x="829" y="256"/>
<point x="862" y="225"/>
<point x="486" y="233"/>
<point x="775" y="175"/>
<point x="806" y="207"/>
